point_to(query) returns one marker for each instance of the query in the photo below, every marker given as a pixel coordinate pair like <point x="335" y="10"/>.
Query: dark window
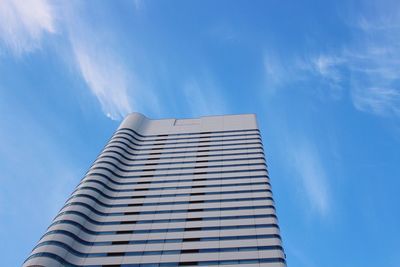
<point x="128" y="222"/>
<point x="124" y="232"/>
<point x="189" y="251"/>
<point x="188" y="263"/>
<point x="193" y="229"/>
<point x="114" y="254"/>
<point x="193" y="219"/>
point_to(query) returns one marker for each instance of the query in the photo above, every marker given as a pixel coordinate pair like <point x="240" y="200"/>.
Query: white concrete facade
<point x="171" y="192"/>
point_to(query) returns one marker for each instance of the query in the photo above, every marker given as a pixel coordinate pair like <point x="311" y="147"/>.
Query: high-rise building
<point x="171" y="192"/>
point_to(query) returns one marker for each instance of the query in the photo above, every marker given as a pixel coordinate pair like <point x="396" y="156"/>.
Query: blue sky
<point x="322" y="77"/>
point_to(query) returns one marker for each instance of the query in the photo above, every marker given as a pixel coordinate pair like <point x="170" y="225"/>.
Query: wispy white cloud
<point x="377" y="100"/>
<point x="111" y="78"/>
<point x="374" y="65"/>
<point x="326" y="66"/>
<point x="105" y="77"/>
<point x="92" y="52"/>
<point x="98" y="62"/>
<point x="312" y="175"/>
<point x="23" y="23"/>
<point x="368" y="68"/>
<point x="281" y="72"/>
<point x="370" y="65"/>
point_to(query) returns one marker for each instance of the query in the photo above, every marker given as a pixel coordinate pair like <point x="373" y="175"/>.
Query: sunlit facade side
<point x="170" y="192"/>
